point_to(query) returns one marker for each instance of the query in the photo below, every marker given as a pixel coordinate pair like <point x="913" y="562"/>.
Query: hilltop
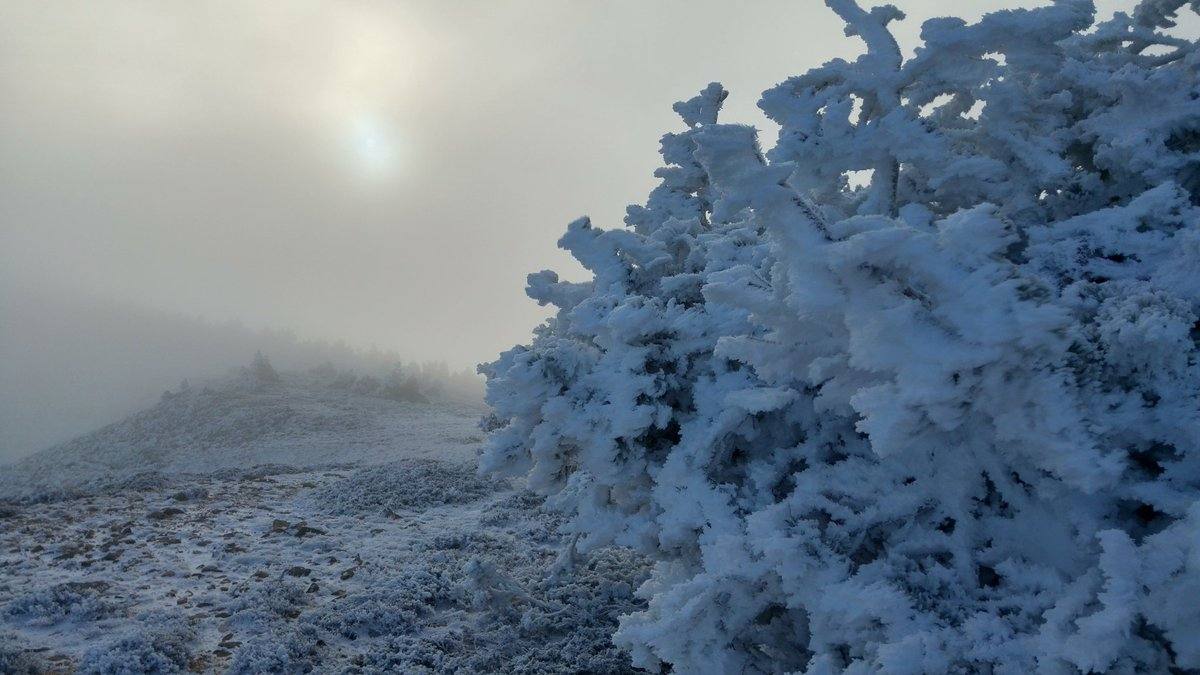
<point x="300" y="419"/>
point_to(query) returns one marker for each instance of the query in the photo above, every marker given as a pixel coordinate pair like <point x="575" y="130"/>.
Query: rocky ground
<point x="410" y="565"/>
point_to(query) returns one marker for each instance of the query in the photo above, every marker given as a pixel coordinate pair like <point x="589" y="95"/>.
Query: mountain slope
<point x="285" y="527"/>
<point x="242" y="422"/>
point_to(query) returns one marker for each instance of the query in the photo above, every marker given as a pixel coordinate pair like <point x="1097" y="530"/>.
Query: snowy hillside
<point x="240" y="422"/>
<point x="286" y="527"/>
<point x="69" y="363"/>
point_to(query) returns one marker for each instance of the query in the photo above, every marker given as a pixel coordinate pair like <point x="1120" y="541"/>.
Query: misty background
<point x="183" y="183"/>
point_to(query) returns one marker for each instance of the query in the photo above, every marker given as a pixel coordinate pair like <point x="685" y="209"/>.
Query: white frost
<point x="946" y="420"/>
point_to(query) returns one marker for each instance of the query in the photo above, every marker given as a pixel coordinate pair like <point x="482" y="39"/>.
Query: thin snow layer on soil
<point x="289" y="528"/>
<point x="252" y="572"/>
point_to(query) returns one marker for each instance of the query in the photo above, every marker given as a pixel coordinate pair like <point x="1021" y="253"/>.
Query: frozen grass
<point x="52" y="605"/>
<point x="413" y="485"/>
<point x="159" y="643"/>
<point x="17" y="660"/>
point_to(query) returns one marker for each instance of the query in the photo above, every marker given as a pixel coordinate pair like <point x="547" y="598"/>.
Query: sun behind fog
<point x="373" y="146"/>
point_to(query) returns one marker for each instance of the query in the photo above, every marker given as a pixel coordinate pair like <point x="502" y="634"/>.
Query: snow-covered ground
<point x="240" y="422"/>
<point x="287" y="528"/>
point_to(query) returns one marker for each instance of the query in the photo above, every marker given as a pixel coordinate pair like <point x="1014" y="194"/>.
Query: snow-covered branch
<point x="943" y="421"/>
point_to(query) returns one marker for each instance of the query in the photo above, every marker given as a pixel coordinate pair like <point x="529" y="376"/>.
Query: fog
<point x="382" y="173"/>
<point x="73" y="362"/>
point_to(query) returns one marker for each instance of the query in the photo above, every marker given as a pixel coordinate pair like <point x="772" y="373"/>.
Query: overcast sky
<point x="382" y="172"/>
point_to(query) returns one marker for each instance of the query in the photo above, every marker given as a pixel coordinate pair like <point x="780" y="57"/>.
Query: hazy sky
<point x="382" y="172"/>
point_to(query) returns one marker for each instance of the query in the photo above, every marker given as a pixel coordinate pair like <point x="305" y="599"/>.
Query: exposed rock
<point x="165" y="513"/>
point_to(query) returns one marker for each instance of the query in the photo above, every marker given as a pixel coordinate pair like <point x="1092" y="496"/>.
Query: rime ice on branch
<point x="948" y="420"/>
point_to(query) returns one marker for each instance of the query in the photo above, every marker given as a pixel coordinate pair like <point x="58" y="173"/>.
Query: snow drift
<point x="916" y="391"/>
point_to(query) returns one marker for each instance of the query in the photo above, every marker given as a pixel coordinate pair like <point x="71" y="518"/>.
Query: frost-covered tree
<point x="400" y="385"/>
<point x="262" y="371"/>
<point x="943" y="417"/>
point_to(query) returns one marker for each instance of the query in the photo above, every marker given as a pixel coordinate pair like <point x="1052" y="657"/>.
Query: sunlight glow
<point x="374" y="147"/>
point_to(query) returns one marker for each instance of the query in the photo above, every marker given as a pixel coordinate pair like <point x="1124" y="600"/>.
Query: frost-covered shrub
<point x="389" y="605"/>
<point x="268" y="602"/>
<point x="916" y="390"/>
<point x="161" y="643"/>
<point x="286" y="649"/>
<point x="424" y="655"/>
<point x="52" y="605"/>
<point x="521" y="623"/>
<point x="16" y="660"/>
<point x="280" y="641"/>
<point x="412" y="484"/>
<point x="573" y="631"/>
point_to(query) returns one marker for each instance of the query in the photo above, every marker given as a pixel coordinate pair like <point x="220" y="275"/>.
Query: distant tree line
<point x="415" y="382"/>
